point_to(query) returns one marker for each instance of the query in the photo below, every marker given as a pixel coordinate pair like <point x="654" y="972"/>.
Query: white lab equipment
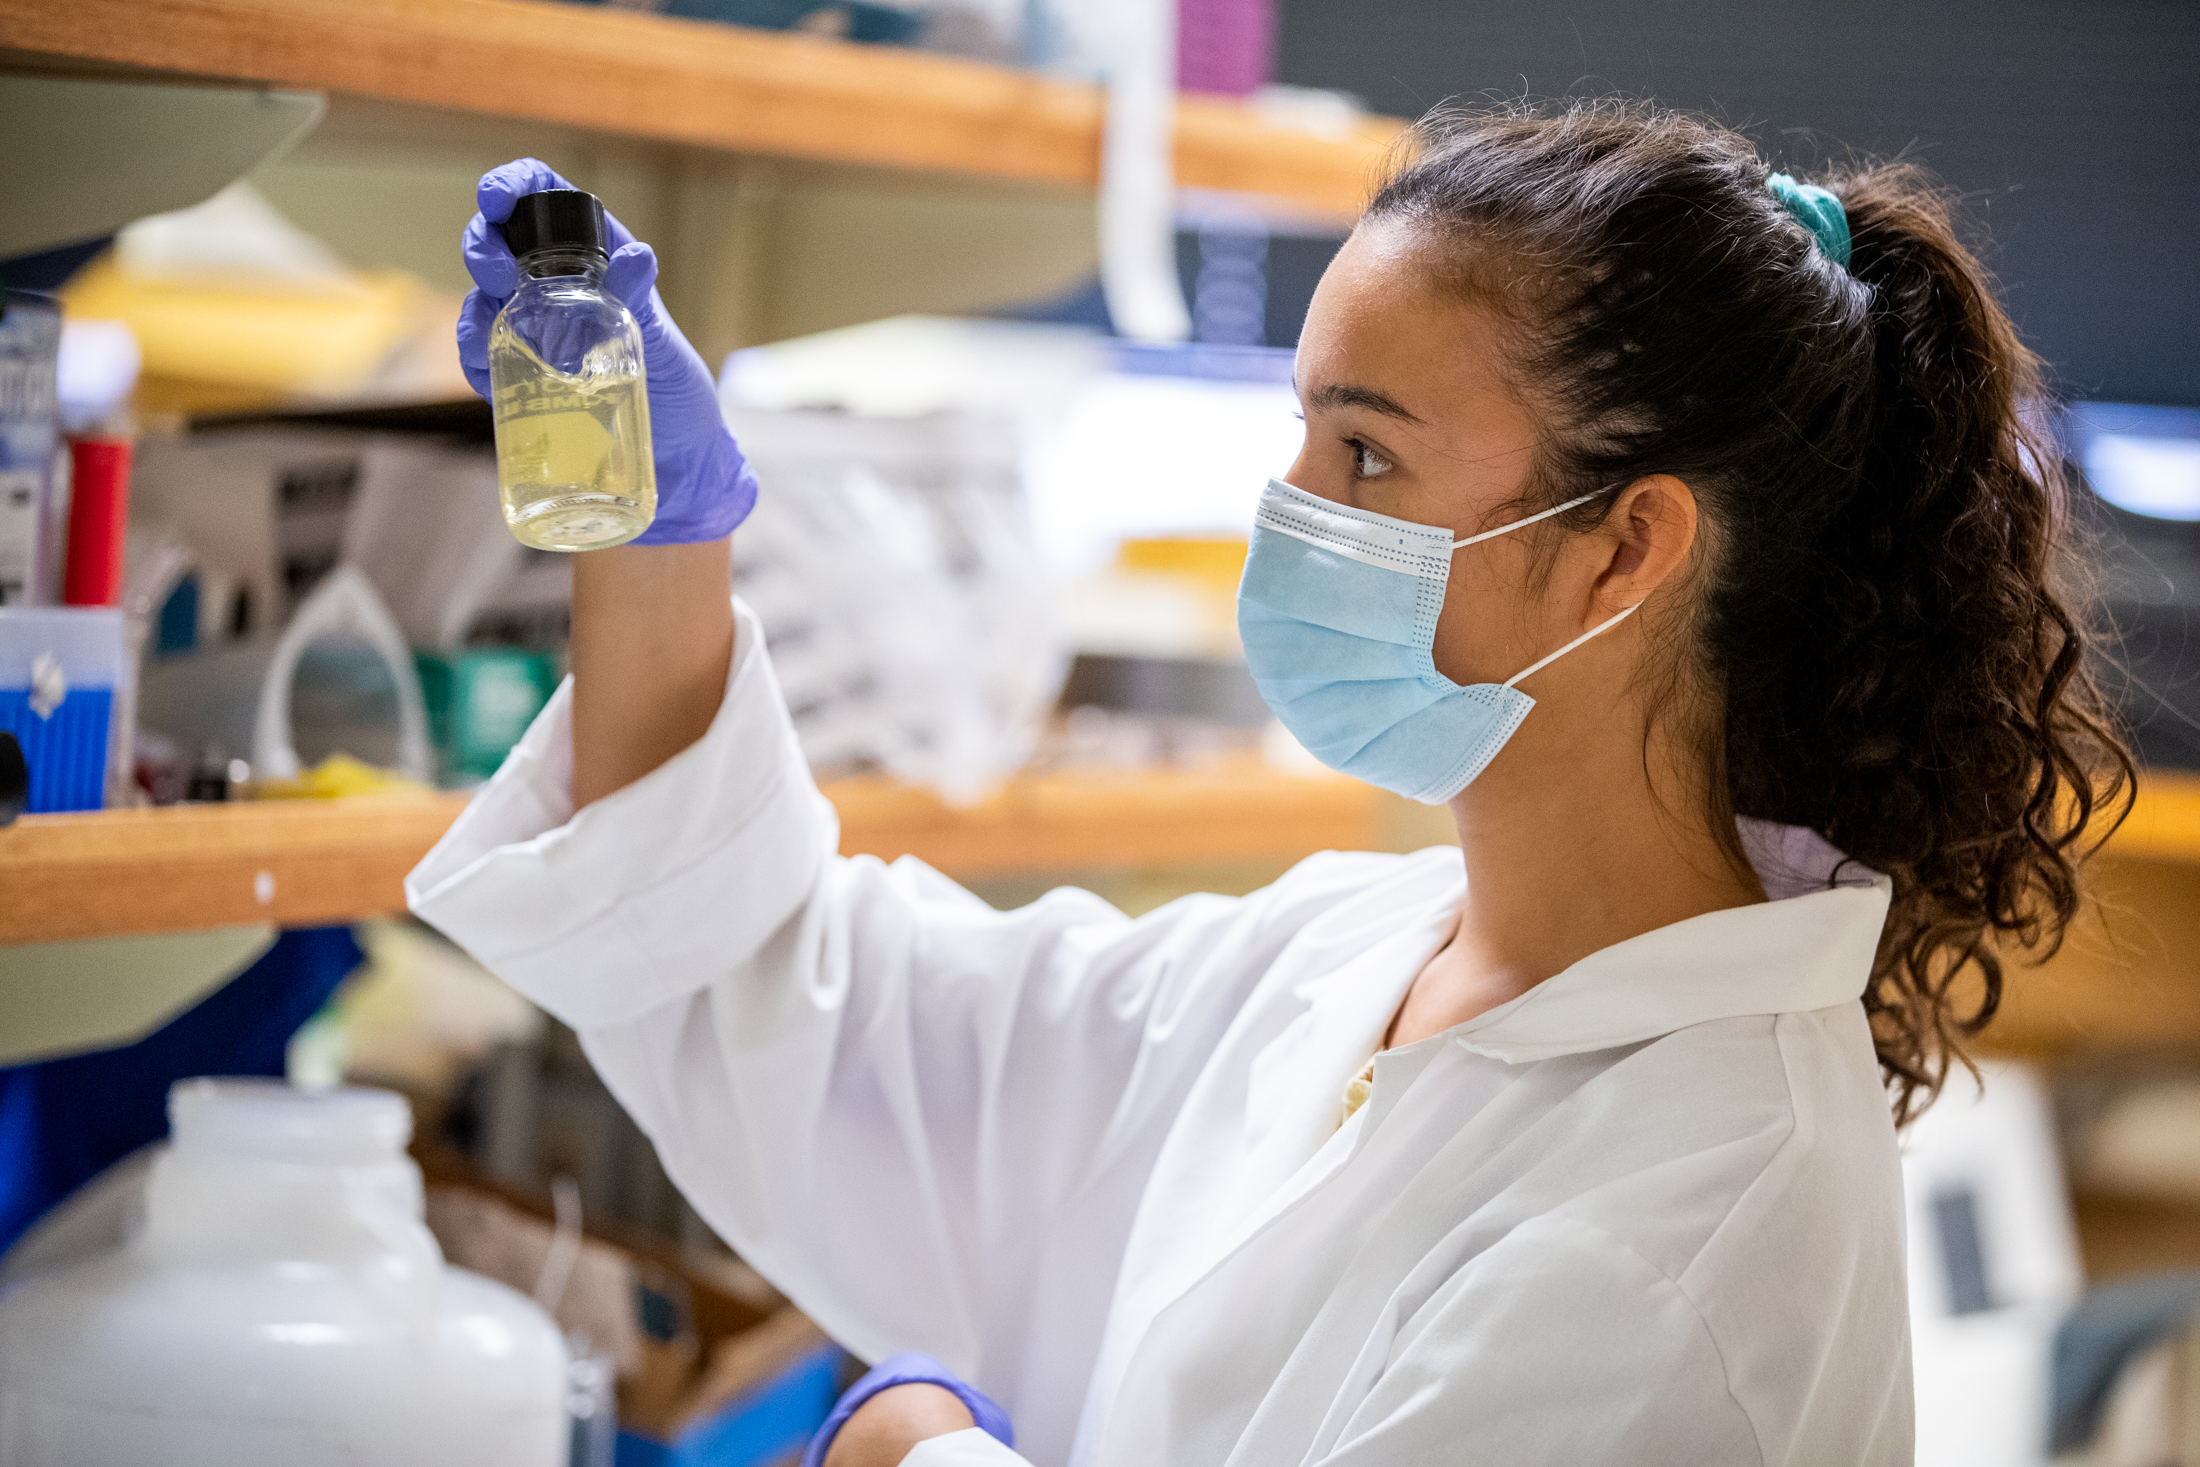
<point x="265" y="514"/>
<point x="1994" y="1268"/>
<point x="1167" y="442"/>
<point x="339" y="679"/>
<point x="95" y="373"/>
<point x="280" y="1302"/>
<point x="344" y="606"/>
<point x="1130" y="47"/>
<point x="2142" y="458"/>
<point x="892" y="564"/>
<point x="1138" y="175"/>
<point x="1115" y="439"/>
<point x="425" y="527"/>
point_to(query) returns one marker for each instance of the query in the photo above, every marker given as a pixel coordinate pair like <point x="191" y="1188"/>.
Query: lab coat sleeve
<point x="924" y="1120"/>
<point x="972" y="1448"/>
<point x="1558" y="1345"/>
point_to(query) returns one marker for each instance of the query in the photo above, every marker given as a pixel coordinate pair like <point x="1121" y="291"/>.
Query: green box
<point x="479" y="703"/>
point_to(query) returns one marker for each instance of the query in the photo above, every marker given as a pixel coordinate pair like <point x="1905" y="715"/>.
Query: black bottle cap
<point x="557" y="218"/>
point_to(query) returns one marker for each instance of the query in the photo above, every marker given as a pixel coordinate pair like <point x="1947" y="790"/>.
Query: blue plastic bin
<point x="764" y="1426"/>
<point x="59" y="669"/>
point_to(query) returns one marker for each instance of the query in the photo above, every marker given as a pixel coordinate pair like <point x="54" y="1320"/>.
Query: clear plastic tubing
<point x="281" y="1303"/>
<point x="567" y="390"/>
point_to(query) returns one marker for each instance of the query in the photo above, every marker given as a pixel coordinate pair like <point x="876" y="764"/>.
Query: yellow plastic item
<point x="325" y="341"/>
<point x="1217" y="560"/>
<point x="337" y="776"/>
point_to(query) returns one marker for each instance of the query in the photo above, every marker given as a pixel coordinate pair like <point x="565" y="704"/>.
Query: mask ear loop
<point x="1603" y="626"/>
<point x="1531" y="519"/>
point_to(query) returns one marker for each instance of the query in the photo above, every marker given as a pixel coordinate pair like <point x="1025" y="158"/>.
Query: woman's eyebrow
<point x="1344" y="394"/>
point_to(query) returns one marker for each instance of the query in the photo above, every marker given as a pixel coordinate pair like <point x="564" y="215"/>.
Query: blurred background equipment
<point x="230" y="304"/>
<point x="2143" y="464"/>
<point x="894" y="573"/>
<point x="1994" y="1266"/>
<point x="1009" y="336"/>
<point x="86" y="157"/>
<point x="30" y="424"/>
<point x="281" y="1299"/>
<point x="60" y="668"/>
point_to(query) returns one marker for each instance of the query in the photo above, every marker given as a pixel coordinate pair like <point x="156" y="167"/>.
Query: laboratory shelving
<point x="2128" y="973"/>
<point x="2165" y="822"/>
<point x="297" y="862"/>
<point x="196" y="867"/>
<point x="692" y="83"/>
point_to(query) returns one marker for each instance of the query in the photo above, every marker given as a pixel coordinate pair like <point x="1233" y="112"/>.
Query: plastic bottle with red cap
<point x="99" y="519"/>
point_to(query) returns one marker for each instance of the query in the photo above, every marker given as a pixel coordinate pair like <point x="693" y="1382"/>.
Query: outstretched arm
<point x="652" y="639"/>
<point x="653" y="620"/>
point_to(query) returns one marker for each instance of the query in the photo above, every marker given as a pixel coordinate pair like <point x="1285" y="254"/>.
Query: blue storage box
<point x="60" y="667"/>
<point x="767" y="1425"/>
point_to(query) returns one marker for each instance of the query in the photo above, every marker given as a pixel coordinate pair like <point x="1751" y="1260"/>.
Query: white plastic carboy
<point x="281" y="1303"/>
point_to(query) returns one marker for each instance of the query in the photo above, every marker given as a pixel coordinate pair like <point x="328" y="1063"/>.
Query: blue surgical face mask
<point x="1338" y="612"/>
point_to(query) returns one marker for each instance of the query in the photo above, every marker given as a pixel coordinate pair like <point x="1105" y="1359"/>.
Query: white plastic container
<point x="282" y="1304"/>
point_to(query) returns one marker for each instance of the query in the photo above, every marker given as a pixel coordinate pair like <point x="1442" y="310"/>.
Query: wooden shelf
<point x="2128" y="973"/>
<point x="196" y="867"/>
<point x="186" y="868"/>
<point x="294" y="863"/>
<point x="2165" y="823"/>
<point x="1090" y="820"/>
<point x="691" y="82"/>
<point x="2126" y="1236"/>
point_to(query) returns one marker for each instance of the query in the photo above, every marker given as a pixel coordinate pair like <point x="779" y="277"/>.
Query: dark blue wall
<point x="2070" y="125"/>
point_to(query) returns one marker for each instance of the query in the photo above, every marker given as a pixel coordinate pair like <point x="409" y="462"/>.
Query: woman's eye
<point x="1366" y="462"/>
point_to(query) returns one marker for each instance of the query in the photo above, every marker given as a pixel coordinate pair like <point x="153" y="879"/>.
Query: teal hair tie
<point x="1818" y="211"/>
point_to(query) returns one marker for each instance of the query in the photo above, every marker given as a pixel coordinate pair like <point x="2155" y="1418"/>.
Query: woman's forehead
<point x="1383" y="334"/>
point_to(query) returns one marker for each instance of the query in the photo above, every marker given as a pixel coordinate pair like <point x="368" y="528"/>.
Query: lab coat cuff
<point x="607" y="913"/>
<point x="968" y="1448"/>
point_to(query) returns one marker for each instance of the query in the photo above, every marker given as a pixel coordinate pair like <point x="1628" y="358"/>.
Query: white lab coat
<point x="1649" y="1212"/>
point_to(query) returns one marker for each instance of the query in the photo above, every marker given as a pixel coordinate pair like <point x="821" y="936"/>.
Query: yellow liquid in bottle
<point x="574" y="470"/>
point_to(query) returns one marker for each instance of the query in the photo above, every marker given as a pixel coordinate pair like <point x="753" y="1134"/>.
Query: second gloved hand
<point x="909" y="1368"/>
<point x="704" y="485"/>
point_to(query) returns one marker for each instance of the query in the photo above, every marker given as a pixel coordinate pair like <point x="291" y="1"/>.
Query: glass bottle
<point x="567" y="391"/>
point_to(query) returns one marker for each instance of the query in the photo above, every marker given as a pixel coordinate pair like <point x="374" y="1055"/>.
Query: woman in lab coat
<point x="1572" y="1144"/>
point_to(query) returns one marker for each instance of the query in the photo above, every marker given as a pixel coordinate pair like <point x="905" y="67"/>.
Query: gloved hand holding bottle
<point x="703" y="486"/>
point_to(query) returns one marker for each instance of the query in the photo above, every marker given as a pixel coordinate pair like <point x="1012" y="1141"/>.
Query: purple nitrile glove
<point x="704" y="485"/>
<point x="909" y="1368"/>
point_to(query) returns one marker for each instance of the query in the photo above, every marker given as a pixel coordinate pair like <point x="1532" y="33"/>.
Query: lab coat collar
<point x="1810" y="947"/>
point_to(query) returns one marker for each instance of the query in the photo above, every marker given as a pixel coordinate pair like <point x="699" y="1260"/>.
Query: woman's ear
<point x="1654" y="525"/>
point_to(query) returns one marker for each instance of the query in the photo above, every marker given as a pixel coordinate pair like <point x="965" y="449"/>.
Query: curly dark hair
<point x="1884" y="624"/>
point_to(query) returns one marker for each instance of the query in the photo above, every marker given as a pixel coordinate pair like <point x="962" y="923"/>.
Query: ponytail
<point x="1969" y="673"/>
<point x="1880" y="634"/>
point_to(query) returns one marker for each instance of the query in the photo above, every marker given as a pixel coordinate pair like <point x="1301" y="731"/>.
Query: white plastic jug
<point x="282" y="1304"/>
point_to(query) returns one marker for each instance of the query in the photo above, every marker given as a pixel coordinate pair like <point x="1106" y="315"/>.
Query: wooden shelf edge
<point x="299" y="863"/>
<point x="187" y="868"/>
<point x="191" y="868"/>
<point x="696" y="83"/>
